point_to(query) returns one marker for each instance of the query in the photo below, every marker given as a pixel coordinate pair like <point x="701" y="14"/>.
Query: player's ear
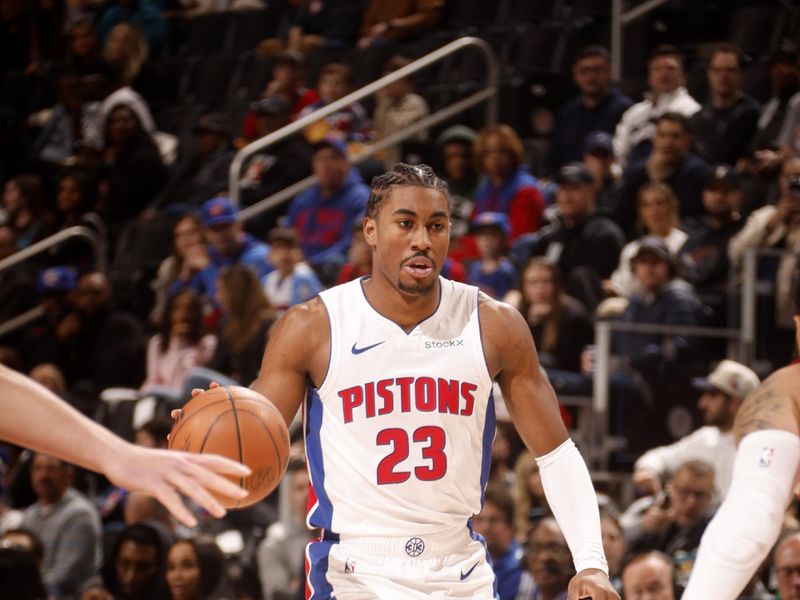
<point x="370" y="234"/>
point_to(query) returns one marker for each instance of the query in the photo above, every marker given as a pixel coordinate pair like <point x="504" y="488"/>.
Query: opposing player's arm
<point x="297" y="349"/>
<point x="512" y="359"/>
<point x="772" y="405"/>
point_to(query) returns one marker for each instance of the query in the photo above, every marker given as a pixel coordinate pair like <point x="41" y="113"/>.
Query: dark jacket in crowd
<point x="575" y="332"/>
<point x="242" y="366"/>
<point x="723" y="135"/>
<point x="197" y="178"/>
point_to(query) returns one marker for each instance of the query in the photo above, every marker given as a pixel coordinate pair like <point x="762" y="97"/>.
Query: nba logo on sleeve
<point x="765" y="460"/>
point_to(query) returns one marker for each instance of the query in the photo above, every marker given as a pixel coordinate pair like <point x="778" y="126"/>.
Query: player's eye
<point x="405" y="223"/>
<point x="437" y="227"/>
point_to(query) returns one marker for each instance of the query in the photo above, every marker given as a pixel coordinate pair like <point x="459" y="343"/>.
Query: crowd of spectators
<point x="639" y="212"/>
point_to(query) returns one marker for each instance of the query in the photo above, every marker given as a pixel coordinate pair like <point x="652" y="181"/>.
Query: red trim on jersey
<point x="796" y="361"/>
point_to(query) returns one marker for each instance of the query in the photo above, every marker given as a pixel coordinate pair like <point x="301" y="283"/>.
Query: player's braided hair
<point x="400" y="176"/>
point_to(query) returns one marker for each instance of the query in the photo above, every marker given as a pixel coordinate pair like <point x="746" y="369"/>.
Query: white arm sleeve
<point x="570" y="494"/>
<point x="749" y="520"/>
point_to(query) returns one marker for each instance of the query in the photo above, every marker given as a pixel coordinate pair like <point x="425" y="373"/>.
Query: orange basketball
<point x="242" y="425"/>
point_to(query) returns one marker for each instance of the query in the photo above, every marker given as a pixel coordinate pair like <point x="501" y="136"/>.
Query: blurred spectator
<point x="530" y="504"/>
<point x="324" y="214"/>
<point x="135" y="568"/>
<point x="397" y="108"/>
<point x="281" y="554"/>
<point x="495" y="523"/>
<point x="657" y="215"/>
<point x="24" y="539"/>
<point x="51" y="377"/>
<point x="202" y="172"/>
<point x="228" y="245"/>
<point x="153" y="434"/>
<point x="458" y="170"/>
<point x="648" y="575"/>
<point x="126" y="51"/>
<point x="493" y="273"/>
<point x="776" y="226"/>
<point x="614" y="545"/>
<point x="671" y="162"/>
<point x="244" y="328"/>
<point x="787" y="566"/>
<point x="584" y="245"/>
<point x="140" y="508"/>
<point x="704" y="256"/>
<point x="597" y="107"/>
<point x="66" y="522"/>
<point x="359" y="257"/>
<point x="664" y="299"/>
<point x="351" y="123"/>
<point x="789" y="136"/>
<point x="27" y="212"/>
<point x="82" y="44"/>
<point x="40" y="342"/>
<point x="75" y="199"/>
<point x="132" y="173"/>
<point x="179" y="346"/>
<point x="195" y="570"/>
<point x="100" y="346"/>
<point x="144" y="14"/>
<point x="292" y="280"/>
<point x="506" y="187"/>
<point x="598" y="156"/>
<point x="277" y="167"/>
<point x="326" y="23"/>
<point x="676" y="520"/>
<point x="397" y="20"/>
<point x="549" y="563"/>
<point x="550" y="314"/>
<point x="20" y="578"/>
<point x="60" y="126"/>
<point x="666" y="80"/>
<point x="501" y="474"/>
<point x="723" y="127"/>
<point x="189" y="257"/>
<point x="723" y="392"/>
<point x="17" y="293"/>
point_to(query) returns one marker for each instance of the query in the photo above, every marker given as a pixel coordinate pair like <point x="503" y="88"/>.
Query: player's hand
<point x="176" y="413"/>
<point x="591" y="583"/>
<point x="165" y="474"/>
<point x="646" y="482"/>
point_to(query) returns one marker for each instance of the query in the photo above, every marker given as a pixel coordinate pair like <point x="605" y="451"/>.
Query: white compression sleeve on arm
<point x="749" y="520"/>
<point x="570" y="494"/>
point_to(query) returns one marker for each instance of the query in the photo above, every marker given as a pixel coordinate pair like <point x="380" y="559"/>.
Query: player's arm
<point x="297" y="350"/>
<point x="34" y="417"/>
<point x="512" y="359"/>
<point x="764" y="476"/>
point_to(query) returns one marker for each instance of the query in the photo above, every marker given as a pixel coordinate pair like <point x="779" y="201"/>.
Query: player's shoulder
<point x="499" y="319"/>
<point x="786" y="379"/>
<point x="302" y="321"/>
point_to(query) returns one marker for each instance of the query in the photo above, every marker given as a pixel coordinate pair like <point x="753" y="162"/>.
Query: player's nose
<point x="421" y="239"/>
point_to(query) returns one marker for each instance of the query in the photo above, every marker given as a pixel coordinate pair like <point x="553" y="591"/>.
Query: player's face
<point x="183" y="572"/>
<point x="409" y="236"/>
<point x="787" y="568"/>
<point x="136" y="566"/>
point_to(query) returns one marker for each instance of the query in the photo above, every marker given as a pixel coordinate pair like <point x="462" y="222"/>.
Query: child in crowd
<point x="493" y="273"/>
<point x="359" y="257"/>
<point x="292" y="281"/>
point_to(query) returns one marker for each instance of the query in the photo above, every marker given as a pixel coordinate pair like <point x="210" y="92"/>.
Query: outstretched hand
<point x="591" y="583"/>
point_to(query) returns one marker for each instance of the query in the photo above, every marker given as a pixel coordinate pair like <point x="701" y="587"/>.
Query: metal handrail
<point x="620" y="18"/>
<point x="78" y="231"/>
<point x="488" y="94"/>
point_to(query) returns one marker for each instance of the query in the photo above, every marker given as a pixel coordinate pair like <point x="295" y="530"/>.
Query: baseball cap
<point x="730" y="377"/>
<point x="496" y="220"/>
<point x="56" y="279"/>
<point x="457" y="133"/>
<point x="575" y="173"/>
<point x="723" y="175"/>
<point x="598" y="140"/>
<point x="335" y="144"/>
<point x="273" y="106"/>
<point x="654" y="246"/>
<point x="212" y="123"/>
<point x="219" y="211"/>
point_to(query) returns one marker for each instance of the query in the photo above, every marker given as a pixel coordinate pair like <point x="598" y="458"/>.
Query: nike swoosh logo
<point x="468" y="573"/>
<point x="355" y="350"/>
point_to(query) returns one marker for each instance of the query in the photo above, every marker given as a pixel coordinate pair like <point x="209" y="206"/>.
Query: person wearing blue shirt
<point x="228" y="245"/>
<point x="493" y="273"/>
<point x="292" y="281"/>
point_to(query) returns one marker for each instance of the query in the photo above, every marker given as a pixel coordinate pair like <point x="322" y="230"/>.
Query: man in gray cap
<point x="724" y="390"/>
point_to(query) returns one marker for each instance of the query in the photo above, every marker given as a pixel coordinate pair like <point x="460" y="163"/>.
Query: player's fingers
<point x="213" y="384"/>
<point x="193" y="489"/>
<point x="175" y="414"/>
<point x="220" y="464"/>
<point x="173" y="503"/>
<point x="197" y="391"/>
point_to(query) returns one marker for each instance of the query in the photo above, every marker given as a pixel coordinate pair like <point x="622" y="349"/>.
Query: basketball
<point x="240" y="424"/>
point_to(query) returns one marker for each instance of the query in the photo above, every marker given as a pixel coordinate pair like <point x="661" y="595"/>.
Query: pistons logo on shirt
<point x="765" y="460"/>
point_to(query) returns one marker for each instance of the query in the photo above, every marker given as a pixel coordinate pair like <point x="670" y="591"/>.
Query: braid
<point x="400" y="176"/>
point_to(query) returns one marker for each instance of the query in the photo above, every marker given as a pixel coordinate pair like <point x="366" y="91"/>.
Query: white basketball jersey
<point x="399" y="434"/>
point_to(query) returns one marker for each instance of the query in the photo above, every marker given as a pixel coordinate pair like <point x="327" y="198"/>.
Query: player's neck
<point x="405" y="310"/>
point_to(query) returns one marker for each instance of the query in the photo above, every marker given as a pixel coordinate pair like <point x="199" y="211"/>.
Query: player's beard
<point x="417" y="289"/>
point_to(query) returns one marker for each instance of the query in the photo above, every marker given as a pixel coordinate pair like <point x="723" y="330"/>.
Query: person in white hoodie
<point x="724" y="390"/>
<point x="666" y="79"/>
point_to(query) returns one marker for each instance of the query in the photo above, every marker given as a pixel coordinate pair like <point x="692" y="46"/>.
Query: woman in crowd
<point x="530" y="503"/>
<point x="506" y="186"/>
<point x="126" y="51"/>
<point x="658" y="215"/>
<point x="75" y="200"/>
<point x="25" y="205"/>
<point x="179" y="347"/>
<point x="195" y="570"/>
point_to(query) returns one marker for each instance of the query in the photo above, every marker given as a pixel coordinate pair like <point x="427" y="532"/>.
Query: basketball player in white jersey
<point x="399" y="420"/>
<point x="765" y="474"/>
<point x="33" y="417"/>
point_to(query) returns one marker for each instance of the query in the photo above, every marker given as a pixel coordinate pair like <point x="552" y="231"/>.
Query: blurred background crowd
<point x="634" y="200"/>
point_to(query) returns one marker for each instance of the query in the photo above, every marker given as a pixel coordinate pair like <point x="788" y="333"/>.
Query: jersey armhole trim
<point x="480" y="349"/>
<point x="333" y="356"/>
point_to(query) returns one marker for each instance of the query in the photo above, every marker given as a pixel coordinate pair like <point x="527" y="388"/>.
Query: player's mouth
<point x="418" y="267"/>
